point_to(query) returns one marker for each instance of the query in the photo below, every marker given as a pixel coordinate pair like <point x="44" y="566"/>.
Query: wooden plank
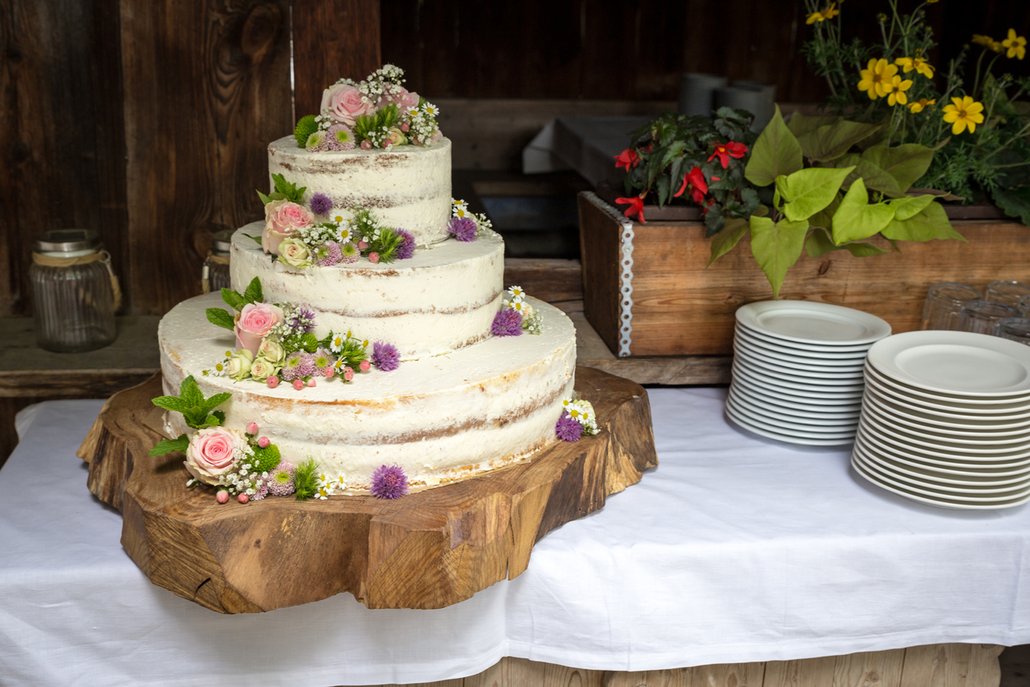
<point x="723" y="675"/>
<point x="333" y="39"/>
<point x="952" y="665"/>
<point x="551" y="280"/>
<point x="207" y="86"/>
<point x="682" y="306"/>
<point x="512" y="672"/>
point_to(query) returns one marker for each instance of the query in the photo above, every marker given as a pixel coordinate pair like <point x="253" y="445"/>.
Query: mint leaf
<point x="252" y="294"/>
<point x="233" y="299"/>
<point x="166" y="446"/>
<point x="221" y="318"/>
<point x="215" y="401"/>
<point x="189" y="391"/>
<point x="173" y="403"/>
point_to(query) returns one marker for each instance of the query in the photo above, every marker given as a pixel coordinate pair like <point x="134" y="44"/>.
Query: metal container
<point x="74" y="291"/>
<point x="215" y="274"/>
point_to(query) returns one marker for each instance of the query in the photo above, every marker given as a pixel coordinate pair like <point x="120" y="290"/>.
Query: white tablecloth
<point x="735" y="549"/>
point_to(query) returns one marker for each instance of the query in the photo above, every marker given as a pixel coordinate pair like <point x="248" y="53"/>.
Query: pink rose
<point x="344" y="103"/>
<point x="212" y="452"/>
<point x="403" y="99"/>
<point x="254" y="322"/>
<point x="283" y="219"/>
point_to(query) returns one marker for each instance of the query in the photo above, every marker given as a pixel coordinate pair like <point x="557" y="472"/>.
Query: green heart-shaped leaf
<point x="856" y="218"/>
<point x="776" y="152"/>
<point x="808" y="191"/>
<point x="906" y="163"/>
<point x="929" y="224"/>
<point x="728" y="237"/>
<point x="776" y="247"/>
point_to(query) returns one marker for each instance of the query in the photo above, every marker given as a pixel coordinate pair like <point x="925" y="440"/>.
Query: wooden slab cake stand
<point x="428" y="549"/>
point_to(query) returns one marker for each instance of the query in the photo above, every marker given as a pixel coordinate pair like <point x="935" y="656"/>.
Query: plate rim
<point x="750" y="312"/>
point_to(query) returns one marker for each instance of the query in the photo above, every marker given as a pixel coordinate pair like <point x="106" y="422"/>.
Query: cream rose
<point x="263" y="368"/>
<point x="295" y="253"/>
<point x="396" y="137"/>
<point x="271" y="350"/>
<point x="343" y="103"/>
<point x="238" y="365"/>
<point x="254" y="322"/>
<point x="213" y="452"/>
<point x="283" y="219"/>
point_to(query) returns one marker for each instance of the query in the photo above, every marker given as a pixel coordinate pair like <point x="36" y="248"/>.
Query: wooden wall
<point x="147" y="120"/>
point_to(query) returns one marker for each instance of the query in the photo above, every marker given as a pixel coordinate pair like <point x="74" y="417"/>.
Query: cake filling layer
<point x="442" y="418"/>
<point x="443" y="298"/>
<point x="406" y="187"/>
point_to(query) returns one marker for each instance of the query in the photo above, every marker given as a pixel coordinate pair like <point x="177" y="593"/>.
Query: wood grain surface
<point x="427" y="550"/>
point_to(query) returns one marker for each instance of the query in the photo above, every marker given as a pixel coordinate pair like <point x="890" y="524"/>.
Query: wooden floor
<point x="1015" y="666"/>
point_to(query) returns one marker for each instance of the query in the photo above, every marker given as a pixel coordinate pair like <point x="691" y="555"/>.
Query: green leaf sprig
<point x="199" y="412"/>
<point x="284" y="190"/>
<point x="235" y="300"/>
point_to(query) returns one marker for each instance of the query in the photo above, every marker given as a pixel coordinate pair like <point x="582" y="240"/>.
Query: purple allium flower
<point x="302" y="320"/>
<point x="507" y="322"/>
<point x="385" y="356"/>
<point x="389" y="482"/>
<point x="462" y="228"/>
<point x="280" y="481"/>
<point x="568" y="429"/>
<point x="407" y="246"/>
<point x="321" y="204"/>
<point x="329" y="254"/>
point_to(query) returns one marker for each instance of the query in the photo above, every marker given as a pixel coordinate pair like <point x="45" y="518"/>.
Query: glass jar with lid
<point x="74" y="291"/>
<point x="215" y="273"/>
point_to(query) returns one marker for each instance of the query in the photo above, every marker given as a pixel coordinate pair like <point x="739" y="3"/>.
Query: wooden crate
<point x="648" y="291"/>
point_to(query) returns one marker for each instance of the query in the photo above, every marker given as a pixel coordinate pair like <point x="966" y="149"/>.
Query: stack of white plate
<point x="797" y="370"/>
<point x="946" y="419"/>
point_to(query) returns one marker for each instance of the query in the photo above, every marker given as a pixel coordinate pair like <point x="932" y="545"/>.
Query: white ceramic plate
<point x="956" y="410"/>
<point x="811" y="322"/>
<point x="933" y="495"/>
<point x="887" y="432"/>
<point x="848" y="393"/>
<point x="813" y="402"/>
<point x="908" y="430"/>
<point x="1004" y="403"/>
<point x="925" y="450"/>
<point x="743" y="348"/>
<point x="943" y="467"/>
<point x="949" y="362"/>
<point x="940" y="501"/>
<point x="943" y="422"/>
<point x="930" y="476"/>
<point x="818" y="417"/>
<point x="804" y="355"/>
<point x="802" y="376"/>
<point x="764" y="429"/>
<point x="971" y="494"/>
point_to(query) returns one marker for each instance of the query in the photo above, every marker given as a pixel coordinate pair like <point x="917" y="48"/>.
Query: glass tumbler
<point x="943" y="305"/>
<point x="1015" y="329"/>
<point x="215" y="274"/>
<point x="983" y="316"/>
<point x="74" y="291"/>
<point x="1007" y="291"/>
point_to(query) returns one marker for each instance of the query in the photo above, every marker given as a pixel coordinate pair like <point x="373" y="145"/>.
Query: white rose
<point x="295" y="253"/>
<point x="238" y="365"/>
<point x="262" y="368"/>
<point x="271" y="350"/>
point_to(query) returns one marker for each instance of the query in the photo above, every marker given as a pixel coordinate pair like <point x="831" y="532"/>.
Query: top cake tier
<point x="406" y="187"/>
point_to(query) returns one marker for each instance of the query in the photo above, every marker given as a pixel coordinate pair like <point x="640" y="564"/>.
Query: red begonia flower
<point x="636" y="207"/>
<point x="695" y="180"/>
<point x="627" y="159"/>
<point x="724" y="151"/>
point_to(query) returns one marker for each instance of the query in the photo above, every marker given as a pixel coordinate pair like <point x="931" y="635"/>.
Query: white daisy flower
<point x="336" y="345"/>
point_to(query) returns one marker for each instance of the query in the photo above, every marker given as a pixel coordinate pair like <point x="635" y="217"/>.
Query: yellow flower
<point x="987" y="42"/>
<point x="919" y="64"/>
<point x="828" y="12"/>
<point x="875" y="78"/>
<point x="895" y="90"/>
<point x="1015" y="45"/>
<point x="963" y="113"/>
<point x="921" y="104"/>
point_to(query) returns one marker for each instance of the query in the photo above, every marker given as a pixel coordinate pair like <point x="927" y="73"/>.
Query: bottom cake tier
<point x="440" y="419"/>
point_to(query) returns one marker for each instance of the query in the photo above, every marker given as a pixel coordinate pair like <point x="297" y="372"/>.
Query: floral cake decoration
<point x="276" y="343"/>
<point x="465" y="225"/>
<point x="303" y="230"/>
<point x="577" y="419"/>
<point x="377" y="112"/>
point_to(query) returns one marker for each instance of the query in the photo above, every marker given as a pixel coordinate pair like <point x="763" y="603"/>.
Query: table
<point x="735" y="550"/>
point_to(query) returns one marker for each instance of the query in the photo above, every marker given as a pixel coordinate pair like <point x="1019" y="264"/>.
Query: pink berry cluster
<point x="328" y="372"/>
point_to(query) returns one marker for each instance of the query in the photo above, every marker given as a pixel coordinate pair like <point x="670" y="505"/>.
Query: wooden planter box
<point x="647" y="290"/>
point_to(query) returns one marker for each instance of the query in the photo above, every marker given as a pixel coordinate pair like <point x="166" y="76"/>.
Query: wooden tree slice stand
<point x="429" y="549"/>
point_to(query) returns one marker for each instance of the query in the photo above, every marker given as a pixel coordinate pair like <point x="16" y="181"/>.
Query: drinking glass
<point x="982" y="316"/>
<point x="943" y="305"/>
<point x="1007" y="291"/>
<point x="1015" y="329"/>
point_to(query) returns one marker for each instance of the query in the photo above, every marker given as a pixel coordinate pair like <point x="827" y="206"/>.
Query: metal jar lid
<point x="67" y="241"/>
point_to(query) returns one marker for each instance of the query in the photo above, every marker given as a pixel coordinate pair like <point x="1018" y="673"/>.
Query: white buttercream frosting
<point x="405" y="187"/>
<point x="444" y="297"/>
<point x="442" y="418"/>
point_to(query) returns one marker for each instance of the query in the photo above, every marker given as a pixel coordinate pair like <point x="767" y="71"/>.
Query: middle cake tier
<point x="442" y="299"/>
